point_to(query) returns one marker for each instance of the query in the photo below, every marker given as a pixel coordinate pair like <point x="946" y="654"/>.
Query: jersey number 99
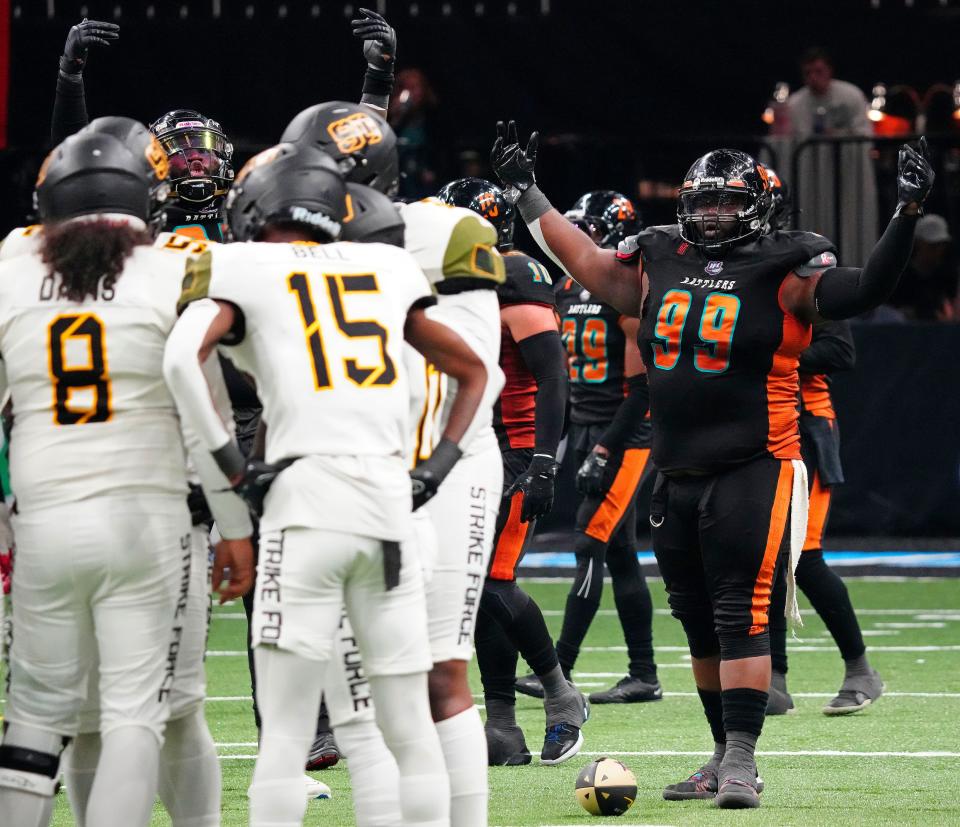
<point x="83" y="332"/>
<point x="717" y="324"/>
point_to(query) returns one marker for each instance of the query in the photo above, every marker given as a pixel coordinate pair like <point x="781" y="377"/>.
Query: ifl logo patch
<point x="713" y="268"/>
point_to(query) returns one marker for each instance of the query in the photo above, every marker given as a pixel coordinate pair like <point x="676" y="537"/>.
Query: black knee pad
<point x="737" y="645"/>
<point x="504" y="600"/>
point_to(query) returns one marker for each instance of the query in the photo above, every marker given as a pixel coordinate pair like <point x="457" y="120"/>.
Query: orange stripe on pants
<point x="619" y="496"/>
<point x="817" y="519"/>
<point x="506" y="554"/>
<point x="760" y="607"/>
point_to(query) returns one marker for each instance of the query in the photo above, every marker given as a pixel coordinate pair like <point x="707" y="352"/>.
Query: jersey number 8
<point x="67" y="332"/>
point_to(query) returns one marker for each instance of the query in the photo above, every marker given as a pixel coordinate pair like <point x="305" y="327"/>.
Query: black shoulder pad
<point x="528" y="282"/>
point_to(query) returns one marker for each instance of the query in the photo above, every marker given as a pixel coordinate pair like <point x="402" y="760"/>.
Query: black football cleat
<point x="529" y="685"/>
<point x="702" y="784"/>
<point x="628" y="690"/>
<point x="856" y="693"/>
<point x="736" y="792"/>
<point x="562" y="741"/>
<point x="506" y="746"/>
<point x="324" y="752"/>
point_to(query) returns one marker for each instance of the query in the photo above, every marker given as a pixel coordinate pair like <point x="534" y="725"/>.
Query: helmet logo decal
<point x="625" y="209"/>
<point x="487" y="202"/>
<point x="354" y="132"/>
<point x="186" y="124"/>
<point x="764" y="176"/>
<point x="157" y="158"/>
<point x="350" y="214"/>
<point x="259" y="160"/>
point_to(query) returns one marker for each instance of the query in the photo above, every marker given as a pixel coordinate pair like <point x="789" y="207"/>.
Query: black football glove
<point x="257" y="478"/>
<point x="199" y="509"/>
<point x="537" y="484"/>
<point x="379" y="39"/>
<point x="513" y="165"/>
<point x="425" y="479"/>
<point x="591" y="476"/>
<point x="915" y="176"/>
<point x="81" y="37"/>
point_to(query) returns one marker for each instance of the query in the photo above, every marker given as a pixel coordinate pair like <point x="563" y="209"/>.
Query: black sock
<point x="778" y="621"/>
<point x="497" y="659"/>
<point x="577" y="617"/>
<point x="744" y="710"/>
<point x="827" y="592"/>
<point x="713" y="708"/>
<point x="635" y="609"/>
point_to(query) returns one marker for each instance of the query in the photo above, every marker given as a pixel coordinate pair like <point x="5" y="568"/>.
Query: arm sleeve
<point x="629" y="417"/>
<point x="69" y="107"/>
<point x="830" y="350"/>
<point x="229" y="511"/>
<point x="844" y="292"/>
<point x="544" y="354"/>
<point x="186" y="378"/>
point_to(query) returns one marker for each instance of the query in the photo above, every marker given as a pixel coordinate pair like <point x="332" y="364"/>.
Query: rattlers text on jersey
<point x="92" y="411"/>
<point x="320" y="329"/>
<point x="721" y="352"/>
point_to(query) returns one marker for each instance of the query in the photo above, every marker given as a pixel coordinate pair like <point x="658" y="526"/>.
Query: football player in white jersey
<point x="456" y="249"/>
<point x="336" y="526"/>
<point x="103" y="548"/>
<point x="190" y="778"/>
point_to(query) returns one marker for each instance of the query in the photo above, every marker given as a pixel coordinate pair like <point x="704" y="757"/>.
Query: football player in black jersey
<point x="608" y="387"/>
<point x="831" y="349"/>
<point x="725" y="311"/>
<point x="528" y="420"/>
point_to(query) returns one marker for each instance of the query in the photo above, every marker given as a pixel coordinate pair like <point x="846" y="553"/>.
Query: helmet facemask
<point x="718" y="216"/>
<point x="200" y="167"/>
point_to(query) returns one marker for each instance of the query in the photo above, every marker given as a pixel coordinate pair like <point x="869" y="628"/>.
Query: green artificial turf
<point x="801" y="788"/>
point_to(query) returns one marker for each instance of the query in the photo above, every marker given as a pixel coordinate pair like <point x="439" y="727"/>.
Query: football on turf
<point x="606" y="787"/>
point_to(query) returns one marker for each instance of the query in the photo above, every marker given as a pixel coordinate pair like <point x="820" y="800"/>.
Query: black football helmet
<point x="488" y="200"/>
<point x="361" y="142"/>
<point x="113" y="165"/>
<point x="613" y="209"/>
<point x="725" y="200"/>
<point x="370" y="217"/>
<point x="590" y="224"/>
<point x="200" y="156"/>
<point x="780" y="194"/>
<point x="287" y="184"/>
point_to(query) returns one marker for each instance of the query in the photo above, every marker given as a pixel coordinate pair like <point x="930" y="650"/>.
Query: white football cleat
<point x="315" y="789"/>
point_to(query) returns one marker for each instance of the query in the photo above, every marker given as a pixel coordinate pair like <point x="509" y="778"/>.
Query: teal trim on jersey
<point x="5" y="470"/>
<point x="187" y="226"/>
<point x="540" y="273"/>
<point x="711" y="347"/>
<point x="595" y="363"/>
<point x="669" y="320"/>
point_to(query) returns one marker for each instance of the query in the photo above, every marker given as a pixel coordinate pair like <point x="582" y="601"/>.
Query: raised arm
<point x="380" y="50"/>
<point x="596" y="269"/>
<point x="70" y="106"/>
<point x="821" y="290"/>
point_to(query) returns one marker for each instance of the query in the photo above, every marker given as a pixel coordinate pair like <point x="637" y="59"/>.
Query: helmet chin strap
<point x="198" y="191"/>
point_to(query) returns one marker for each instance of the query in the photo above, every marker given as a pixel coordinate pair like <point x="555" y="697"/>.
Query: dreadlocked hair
<point x="87" y="253"/>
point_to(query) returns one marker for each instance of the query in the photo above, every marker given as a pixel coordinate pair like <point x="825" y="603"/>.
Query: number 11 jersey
<point x="721" y="351"/>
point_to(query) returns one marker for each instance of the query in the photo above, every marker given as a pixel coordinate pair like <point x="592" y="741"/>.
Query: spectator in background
<point x="411" y="115"/>
<point x="928" y="288"/>
<point x="834" y="108"/>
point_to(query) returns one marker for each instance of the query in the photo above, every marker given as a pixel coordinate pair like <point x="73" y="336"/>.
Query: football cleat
<point x="324" y="752"/>
<point x="736" y="792"/>
<point x="702" y="784"/>
<point x="529" y="685"/>
<point x="629" y="690"/>
<point x="316" y="789"/>
<point x="779" y="701"/>
<point x="506" y="746"/>
<point x="856" y="693"/>
<point x="562" y="741"/>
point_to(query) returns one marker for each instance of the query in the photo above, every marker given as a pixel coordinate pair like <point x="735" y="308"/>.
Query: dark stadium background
<point x="620" y="90"/>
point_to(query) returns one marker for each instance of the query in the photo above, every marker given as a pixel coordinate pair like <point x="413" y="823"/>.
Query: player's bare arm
<point x="821" y="290"/>
<point x="593" y="267"/>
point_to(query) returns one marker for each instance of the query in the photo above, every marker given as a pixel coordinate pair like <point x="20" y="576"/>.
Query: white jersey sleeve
<point x="92" y="413"/>
<point x="21" y="240"/>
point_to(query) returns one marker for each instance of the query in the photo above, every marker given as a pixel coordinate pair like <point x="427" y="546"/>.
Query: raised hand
<point x="915" y="175"/>
<point x="379" y="39"/>
<point x="513" y="165"/>
<point x="81" y="37"/>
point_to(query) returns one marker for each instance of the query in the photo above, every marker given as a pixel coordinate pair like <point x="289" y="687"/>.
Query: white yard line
<point x="826" y="753"/>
